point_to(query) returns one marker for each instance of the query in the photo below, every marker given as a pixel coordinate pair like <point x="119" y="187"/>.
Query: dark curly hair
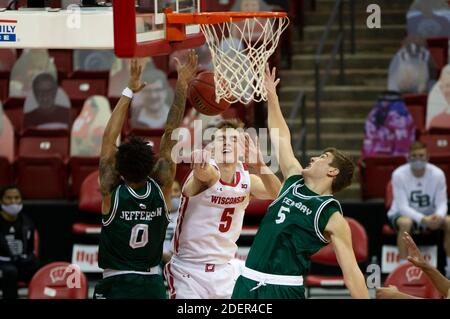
<point x="5" y="188"/>
<point x="135" y="160"/>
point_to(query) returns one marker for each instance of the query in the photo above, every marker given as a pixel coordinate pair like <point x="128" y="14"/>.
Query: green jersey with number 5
<point x="133" y="232"/>
<point x="292" y="230"/>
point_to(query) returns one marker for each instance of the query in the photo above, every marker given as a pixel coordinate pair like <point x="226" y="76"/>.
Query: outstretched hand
<point x="414" y="254"/>
<point x="270" y="80"/>
<point x="186" y="72"/>
<point x="134" y="83"/>
<point x="200" y="158"/>
<point x="251" y="151"/>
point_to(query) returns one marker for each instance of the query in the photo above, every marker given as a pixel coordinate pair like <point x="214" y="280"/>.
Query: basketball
<point x="202" y="95"/>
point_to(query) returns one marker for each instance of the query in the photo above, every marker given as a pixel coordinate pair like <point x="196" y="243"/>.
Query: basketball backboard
<point x="141" y="30"/>
<point x="133" y="28"/>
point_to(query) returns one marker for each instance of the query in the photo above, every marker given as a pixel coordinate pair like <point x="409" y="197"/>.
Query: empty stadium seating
<point x="43" y="142"/>
<point x="13" y="108"/>
<point x="83" y="88"/>
<point x="42" y="177"/>
<point x="90" y="201"/>
<point x="375" y="173"/>
<point x="417" y="106"/>
<point x="437" y="144"/>
<point x="80" y="168"/>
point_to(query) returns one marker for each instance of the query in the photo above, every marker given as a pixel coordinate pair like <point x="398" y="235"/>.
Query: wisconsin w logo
<point x="413" y="273"/>
<point x="421" y="200"/>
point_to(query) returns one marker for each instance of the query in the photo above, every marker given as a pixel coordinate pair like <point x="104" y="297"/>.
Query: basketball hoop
<point x="241" y="43"/>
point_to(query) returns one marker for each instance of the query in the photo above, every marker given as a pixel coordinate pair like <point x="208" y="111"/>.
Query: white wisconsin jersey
<point x="423" y="194"/>
<point x="209" y="223"/>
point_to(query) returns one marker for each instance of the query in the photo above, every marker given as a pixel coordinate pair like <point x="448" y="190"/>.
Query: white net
<point x="240" y="51"/>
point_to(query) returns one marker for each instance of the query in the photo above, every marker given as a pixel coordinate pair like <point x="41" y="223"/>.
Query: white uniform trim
<point x="114" y="209"/>
<point x="316" y="218"/>
<point x="136" y="195"/>
<point x="163" y="198"/>
<point x="111" y="272"/>
<point x="284" y="193"/>
<point x="263" y="278"/>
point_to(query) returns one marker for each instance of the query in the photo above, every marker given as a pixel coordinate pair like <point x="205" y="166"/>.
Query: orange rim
<point x="218" y="17"/>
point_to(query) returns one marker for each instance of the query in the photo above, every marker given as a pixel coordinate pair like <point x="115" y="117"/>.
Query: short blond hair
<point x="232" y="123"/>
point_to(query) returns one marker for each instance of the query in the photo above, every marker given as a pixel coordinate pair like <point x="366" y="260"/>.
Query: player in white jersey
<point x="214" y="198"/>
<point x="420" y="199"/>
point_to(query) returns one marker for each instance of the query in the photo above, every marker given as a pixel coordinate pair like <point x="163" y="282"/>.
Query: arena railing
<point x="337" y="15"/>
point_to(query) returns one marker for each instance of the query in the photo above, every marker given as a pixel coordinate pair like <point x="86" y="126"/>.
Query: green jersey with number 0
<point x="133" y="232"/>
<point x="292" y="230"/>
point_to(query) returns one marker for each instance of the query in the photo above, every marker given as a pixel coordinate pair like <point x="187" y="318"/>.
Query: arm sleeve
<point x="401" y="199"/>
<point x="288" y="183"/>
<point x="441" y="197"/>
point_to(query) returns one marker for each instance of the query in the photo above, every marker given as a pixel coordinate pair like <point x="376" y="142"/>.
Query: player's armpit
<point x="338" y="231"/>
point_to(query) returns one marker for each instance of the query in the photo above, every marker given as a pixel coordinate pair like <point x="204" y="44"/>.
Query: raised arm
<point x="264" y="184"/>
<point x="339" y="233"/>
<point x="288" y="162"/>
<point x="165" y="168"/>
<point x="109" y="177"/>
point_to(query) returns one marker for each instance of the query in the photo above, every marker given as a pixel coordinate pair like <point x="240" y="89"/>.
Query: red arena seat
<point x="377" y="168"/>
<point x="42" y="177"/>
<point x="411" y="280"/>
<point x="90" y="201"/>
<point x="58" y="280"/>
<point x="80" y="168"/>
<point x="327" y="256"/>
<point x="437" y="144"/>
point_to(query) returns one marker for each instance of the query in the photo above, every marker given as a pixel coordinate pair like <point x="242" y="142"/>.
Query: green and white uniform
<point x="131" y="243"/>
<point x="291" y="231"/>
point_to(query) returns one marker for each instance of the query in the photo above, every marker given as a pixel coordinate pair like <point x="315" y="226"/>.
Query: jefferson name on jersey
<point x="141" y="215"/>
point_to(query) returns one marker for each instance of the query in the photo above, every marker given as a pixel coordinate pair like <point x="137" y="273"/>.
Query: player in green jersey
<point x="304" y="218"/>
<point x="135" y="191"/>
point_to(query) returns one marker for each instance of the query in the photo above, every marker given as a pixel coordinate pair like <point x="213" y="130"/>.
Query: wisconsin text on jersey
<point x="141" y="215"/>
<point x="299" y="205"/>
<point x="227" y="200"/>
